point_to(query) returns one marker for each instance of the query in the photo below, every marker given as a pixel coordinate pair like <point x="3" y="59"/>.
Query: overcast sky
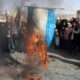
<point x="71" y="4"/>
<point x="66" y="4"/>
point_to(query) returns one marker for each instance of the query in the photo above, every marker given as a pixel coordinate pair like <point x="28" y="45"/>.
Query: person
<point x="15" y="37"/>
<point x="63" y="26"/>
<point x="56" y="39"/>
<point x="10" y="45"/>
<point x="79" y="35"/>
<point x="70" y="39"/>
<point x="66" y="36"/>
<point x="22" y="39"/>
<point x="73" y="38"/>
<point x="76" y="32"/>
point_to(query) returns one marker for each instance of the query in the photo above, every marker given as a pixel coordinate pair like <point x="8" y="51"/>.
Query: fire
<point x="35" y="45"/>
<point x="36" y="77"/>
<point x="29" y="77"/>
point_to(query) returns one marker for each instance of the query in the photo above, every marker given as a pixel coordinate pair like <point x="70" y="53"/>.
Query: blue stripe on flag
<point x="50" y="27"/>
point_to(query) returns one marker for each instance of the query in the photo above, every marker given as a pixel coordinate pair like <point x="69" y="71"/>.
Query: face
<point x="56" y="30"/>
<point x="23" y="25"/>
<point x="8" y="31"/>
<point x="64" y="23"/>
<point x="79" y="22"/>
<point x="66" y="29"/>
<point x="69" y="25"/>
<point x="74" y="24"/>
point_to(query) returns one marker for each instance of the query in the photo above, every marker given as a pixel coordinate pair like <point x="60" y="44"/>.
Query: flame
<point x="30" y="77"/>
<point x="36" y="46"/>
<point x="14" y="13"/>
<point x="36" y="77"/>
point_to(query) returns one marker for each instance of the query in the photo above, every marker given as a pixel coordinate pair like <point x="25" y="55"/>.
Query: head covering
<point x="69" y="25"/>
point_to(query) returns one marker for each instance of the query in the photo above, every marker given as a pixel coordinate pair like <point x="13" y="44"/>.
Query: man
<point x="76" y="32"/>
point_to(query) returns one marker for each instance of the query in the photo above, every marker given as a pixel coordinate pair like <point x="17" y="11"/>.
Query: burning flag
<point x="35" y="46"/>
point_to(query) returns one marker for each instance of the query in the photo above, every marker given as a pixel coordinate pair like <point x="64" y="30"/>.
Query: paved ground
<point x="11" y="68"/>
<point x="59" y="70"/>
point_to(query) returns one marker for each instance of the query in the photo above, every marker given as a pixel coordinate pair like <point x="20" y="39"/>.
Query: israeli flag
<point x="46" y="22"/>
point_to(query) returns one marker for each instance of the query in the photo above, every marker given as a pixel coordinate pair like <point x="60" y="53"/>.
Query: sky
<point x="71" y="4"/>
<point x="66" y="4"/>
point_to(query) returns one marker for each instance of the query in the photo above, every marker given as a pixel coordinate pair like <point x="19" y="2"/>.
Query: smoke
<point x="55" y="3"/>
<point x="7" y="5"/>
<point x="45" y="3"/>
<point x="11" y="5"/>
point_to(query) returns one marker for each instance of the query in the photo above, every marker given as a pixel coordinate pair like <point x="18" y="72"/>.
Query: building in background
<point x="65" y="14"/>
<point x="78" y="14"/>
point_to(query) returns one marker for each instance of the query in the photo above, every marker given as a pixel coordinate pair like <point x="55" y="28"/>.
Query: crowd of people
<point x="14" y="39"/>
<point x="67" y="35"/>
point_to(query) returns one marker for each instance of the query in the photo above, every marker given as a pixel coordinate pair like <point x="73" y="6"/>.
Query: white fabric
<point x="57" y="41"/>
